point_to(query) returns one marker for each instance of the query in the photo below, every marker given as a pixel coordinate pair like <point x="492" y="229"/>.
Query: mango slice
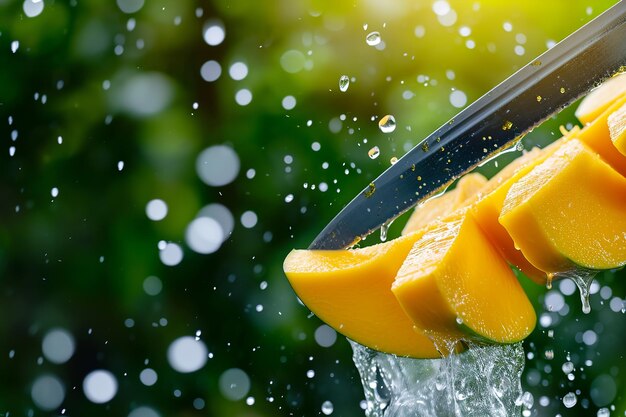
<point x="439" y="207"/>
<point x="351" y="291"/>
<point x="455" y="284"/>
<point x="569" y="212"/>
<point x="597" y="136"/>
<point x="617" y="128"/>
<point x="599" y="99"/>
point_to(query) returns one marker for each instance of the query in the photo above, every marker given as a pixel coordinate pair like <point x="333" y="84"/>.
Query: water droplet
<point x="344" y="83"/>
<point x="373" y="38"/>
<point x="549" y="278"/>
<point x="374" y="152"/>
<point x="604" y="412"/>
<point x="570" y="400"/>
<point x="387" y="124"/>
<point x="327" y="408"/>
<point x="384" y="229"/>
<point x="14" y="46"/>
<point x="393" y="160"/>
<point x="459" y="320"/>
<point x="567" y="367"/>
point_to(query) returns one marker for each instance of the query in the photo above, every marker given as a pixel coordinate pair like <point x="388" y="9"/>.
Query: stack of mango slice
<point x="448" y="278"/>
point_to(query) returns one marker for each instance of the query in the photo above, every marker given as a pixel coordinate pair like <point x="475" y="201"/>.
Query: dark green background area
<point x="78" y="261"/>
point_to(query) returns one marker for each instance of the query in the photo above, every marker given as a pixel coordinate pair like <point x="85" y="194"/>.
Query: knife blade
<point x="491" y="124"/>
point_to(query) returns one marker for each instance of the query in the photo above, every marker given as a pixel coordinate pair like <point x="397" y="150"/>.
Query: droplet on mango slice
<point x="454" y="284"/>
<point x="569" y="212"/>
<point x="351" y="291"/>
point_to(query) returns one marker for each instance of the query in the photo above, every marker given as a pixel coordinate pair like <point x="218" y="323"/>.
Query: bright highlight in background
<point x="156" y="209"/>
<point x="186" y="354"/>
<point x="234" y="384"/>
<point x="58" y="346"/>
<point x="100" y="386"/>
<point x="217" y="165"/>
<point x="47" y="392"/>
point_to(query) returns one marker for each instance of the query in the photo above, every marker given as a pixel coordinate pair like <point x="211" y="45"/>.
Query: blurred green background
<point x="123" y="121"/>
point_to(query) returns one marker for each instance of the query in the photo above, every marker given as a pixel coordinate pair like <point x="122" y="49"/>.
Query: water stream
<point x="482" y="381"/>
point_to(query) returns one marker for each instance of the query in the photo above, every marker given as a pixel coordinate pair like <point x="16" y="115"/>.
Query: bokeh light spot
<point x="171" y="254"/>
<point x="186" y="354"/>
<point x="210" y="71"/>
<point x="152" y="285"/>
<point x="143" y="412"/>
<point x="213" y="33"/>
<point x="325" y="336"/>
<point x="234" y="384"/>
<point x="33" y="8"/>
<point x="238" y="71"/>
<point x="292" y="61"/>
<point x="130" y="6"/>
<point x="204" y="235"/>
<point x="47" y="392"/>
<point x="217" y="165"/>
<point x="100" y="386"/>
<point x="156" y="209"/>
<point x="58" y="346"/>
<point x="148" y="377"/>
<point x="249" y="219"/>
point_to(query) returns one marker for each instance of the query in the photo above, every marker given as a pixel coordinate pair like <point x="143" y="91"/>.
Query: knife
<point x="491" y="124"/>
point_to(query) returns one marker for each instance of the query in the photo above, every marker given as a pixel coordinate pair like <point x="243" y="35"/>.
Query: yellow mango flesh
<point x="597" y="136"/>
<point x="491" y="198"/>
<point x="599" y="99"/>
<point x="455" y="284"/>
<point x="617" y="128"/>
<point x="439" y="207"/>
<point x="351" y="291"/>
<point x="569" y="212"/>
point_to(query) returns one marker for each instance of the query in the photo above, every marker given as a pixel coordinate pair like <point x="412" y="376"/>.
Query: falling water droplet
<point x="549" y="278"/>
<point x="14" y="46"/>
<point x="583" y="282"/>
<point x="387" y="124"/>
<point x="570" y="400"/>
<point x="393" y="160"/>
<point x="374" y="152"/>
<point x="327" y="408"/>
<point x="344" y="83"/>
<point x="383" y="232"/>
<point x="567" y="367"/>
<point x="373" y="38"/>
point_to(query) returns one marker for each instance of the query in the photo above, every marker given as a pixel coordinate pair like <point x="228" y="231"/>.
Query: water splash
<point x="483" y="381"/>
